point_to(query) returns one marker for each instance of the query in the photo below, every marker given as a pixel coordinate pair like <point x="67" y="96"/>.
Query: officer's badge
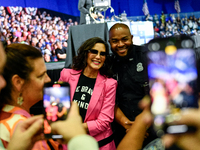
<point x="139" y="67"/>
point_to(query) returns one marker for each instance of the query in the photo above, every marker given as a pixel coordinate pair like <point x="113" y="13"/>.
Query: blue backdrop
<point x="132" y="7"/>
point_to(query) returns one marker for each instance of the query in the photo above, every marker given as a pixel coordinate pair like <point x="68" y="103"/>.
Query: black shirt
<point x="60" y="51"/>
<point x="83" y="94"/>
<point x="131" y="74"/>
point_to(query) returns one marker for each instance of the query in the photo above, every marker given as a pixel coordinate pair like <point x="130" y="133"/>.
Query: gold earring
<point x="20" y="99"/>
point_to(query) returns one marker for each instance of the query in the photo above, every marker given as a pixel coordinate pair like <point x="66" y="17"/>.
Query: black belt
<point x="106" y="140"/>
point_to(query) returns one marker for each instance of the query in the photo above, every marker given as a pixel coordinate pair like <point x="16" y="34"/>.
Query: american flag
<point x="177" y="6"/>
<point x="145" y="8"/>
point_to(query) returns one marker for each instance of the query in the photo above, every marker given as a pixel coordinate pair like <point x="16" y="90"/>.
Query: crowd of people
<point x="169" y="25"/>
<point x="21" y="86"/>
<point x="106" y="88"/>
<point x="48" y="34"/>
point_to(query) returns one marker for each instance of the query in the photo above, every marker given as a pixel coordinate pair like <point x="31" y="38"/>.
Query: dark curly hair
<point x="80" y="61"/>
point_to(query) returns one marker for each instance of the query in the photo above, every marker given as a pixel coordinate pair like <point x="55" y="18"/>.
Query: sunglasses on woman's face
<point x="94" y="51"/>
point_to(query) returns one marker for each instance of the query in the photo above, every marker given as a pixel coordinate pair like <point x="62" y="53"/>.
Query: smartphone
<point x="172" y="76"/>
<point x="56" y="105"/>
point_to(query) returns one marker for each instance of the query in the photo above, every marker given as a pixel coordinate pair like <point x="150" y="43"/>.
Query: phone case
<point x="56" y="104"/>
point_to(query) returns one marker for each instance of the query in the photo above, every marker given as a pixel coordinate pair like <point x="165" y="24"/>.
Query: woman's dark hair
<point x="18" y="62"/>
<point x="80" y="61"/>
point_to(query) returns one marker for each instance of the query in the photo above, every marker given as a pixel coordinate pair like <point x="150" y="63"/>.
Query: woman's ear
<point x="17" y="82"/>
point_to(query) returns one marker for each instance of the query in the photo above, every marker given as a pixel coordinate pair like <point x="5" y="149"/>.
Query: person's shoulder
<point x="65" y="74"/>
<point x="71" y="71"/>
<point x="111" y="81"/>
<point x="13" y="115"/>
<point x="64" y="48"/>
<point x="139" y="47"/>
<point x="111" y="58"/>
<point x="66" y="71"/>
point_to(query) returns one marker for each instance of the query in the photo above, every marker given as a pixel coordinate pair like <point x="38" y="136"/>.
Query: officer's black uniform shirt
<point x="131" y="74"/>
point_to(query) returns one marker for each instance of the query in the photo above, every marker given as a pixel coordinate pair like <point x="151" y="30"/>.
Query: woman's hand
<point x="71" y="127"/>
<point x="85" y="126"/>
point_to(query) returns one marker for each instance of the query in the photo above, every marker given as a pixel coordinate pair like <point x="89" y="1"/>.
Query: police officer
<point x="130" y="71"/>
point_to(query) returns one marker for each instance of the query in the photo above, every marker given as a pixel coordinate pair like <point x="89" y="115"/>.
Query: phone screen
<point x="56" y="102"/>
<point x="173" y="86"/>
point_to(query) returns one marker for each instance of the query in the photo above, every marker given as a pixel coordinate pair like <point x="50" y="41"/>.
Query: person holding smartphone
<point x="72" y="130"/>
<point x="93" y="90"/>
<point x="29" y="131"/>
<point x="25" y="75"/>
